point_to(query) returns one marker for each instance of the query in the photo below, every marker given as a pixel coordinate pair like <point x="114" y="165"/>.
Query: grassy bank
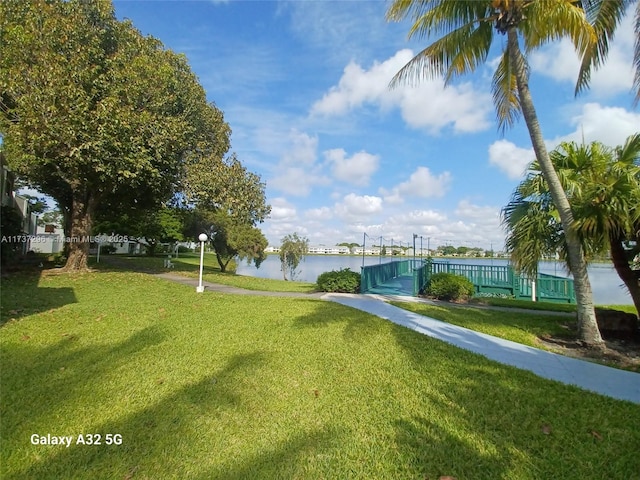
<point x="188" y="265"/>
<point x="215" y="386"/>
<point x="516" y="326"/>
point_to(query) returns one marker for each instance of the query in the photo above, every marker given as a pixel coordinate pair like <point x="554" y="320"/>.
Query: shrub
<point x="183" y="249"/>
<point x="448" y="286"/>
<point x="342" y="281"/>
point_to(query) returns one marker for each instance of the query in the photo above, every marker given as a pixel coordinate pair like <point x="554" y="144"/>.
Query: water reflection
<point x="607" y="287"/>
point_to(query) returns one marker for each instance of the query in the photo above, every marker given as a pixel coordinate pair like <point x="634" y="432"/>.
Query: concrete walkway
<point x="612" y="382"/>
<point x="608" y="381"/>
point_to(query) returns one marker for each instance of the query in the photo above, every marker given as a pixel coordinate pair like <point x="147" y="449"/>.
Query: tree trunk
<point x="222" y="263"/>
<point x="628" y="276"/>
<point x="588" y="330"/>
<point x="78" y="239"/>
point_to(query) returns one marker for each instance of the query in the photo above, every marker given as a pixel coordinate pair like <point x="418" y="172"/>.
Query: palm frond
<point x="605" y="16"/>
<point x="630" y="151"/>
<point x="505" y="93"/>
<point x="551" y="20"/>
<point x="436" y="17"/>
<point x="454" y="54"/>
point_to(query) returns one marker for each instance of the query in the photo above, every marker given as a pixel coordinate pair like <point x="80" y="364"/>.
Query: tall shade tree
<point x="93" y="111"/>
<point x="464" y="33"/>
<point x="603" y="186"/>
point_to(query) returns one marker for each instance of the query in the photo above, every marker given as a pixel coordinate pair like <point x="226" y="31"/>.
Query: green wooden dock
<point x="410" y="277"/>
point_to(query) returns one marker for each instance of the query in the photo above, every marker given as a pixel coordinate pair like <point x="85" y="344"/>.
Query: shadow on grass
<point x="146" y="264"/>
<point x="62" y="371"/>
<point x="162" y="441"/>
<point x="356" y="325"/>
<point x="21" y="295"/>
<point x="501" y="422"/>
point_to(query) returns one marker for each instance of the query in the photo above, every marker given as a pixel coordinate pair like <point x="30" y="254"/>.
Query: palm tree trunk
<point x="621" y="264"/>
<point x="588" y="330"/>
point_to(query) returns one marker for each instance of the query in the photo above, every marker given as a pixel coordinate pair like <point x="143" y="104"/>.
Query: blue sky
<point x="304" y="87"/>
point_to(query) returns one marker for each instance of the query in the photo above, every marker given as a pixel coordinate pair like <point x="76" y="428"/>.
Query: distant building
<point x="9" y="198"/>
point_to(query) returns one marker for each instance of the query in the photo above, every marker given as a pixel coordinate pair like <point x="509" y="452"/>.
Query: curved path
<point x="612" y="382"/>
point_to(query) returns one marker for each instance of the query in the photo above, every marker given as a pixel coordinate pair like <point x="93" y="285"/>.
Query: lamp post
<point x="415" y="235"/>
<point x="203" y="238"/>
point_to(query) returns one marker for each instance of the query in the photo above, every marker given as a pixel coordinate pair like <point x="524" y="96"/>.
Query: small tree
<point x="292" y="251"/>
<point x="233" y="238"/>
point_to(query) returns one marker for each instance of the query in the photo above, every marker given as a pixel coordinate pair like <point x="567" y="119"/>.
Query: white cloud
<point x="354" y="207"/>
<point x="356" y="169"/>
<point x="467" y="210"/>
<point x="316" y="214"/>
<point x="297" y="171"/>
<point x="428" y="106"/>
<point x="422" y="184"/>
<point x="509" y="158"/>
<point x="421" y="218"/>
<point x="282" y="210"/>
<point x="302" y="150"/>
<point x="609" y="125"/>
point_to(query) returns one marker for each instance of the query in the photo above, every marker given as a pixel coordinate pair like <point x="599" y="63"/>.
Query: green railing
<point x="481" y="275"/>
<point x="373" y="275"/>
<point x="549" y="288"/>
<point x="502" y="279"/>
<point x="421" y="277"/>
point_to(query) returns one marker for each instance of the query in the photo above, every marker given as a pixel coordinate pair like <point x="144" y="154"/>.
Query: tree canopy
<point x="93" y="111"/>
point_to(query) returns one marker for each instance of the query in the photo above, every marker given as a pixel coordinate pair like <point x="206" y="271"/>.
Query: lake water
<point x="607" y="287"/>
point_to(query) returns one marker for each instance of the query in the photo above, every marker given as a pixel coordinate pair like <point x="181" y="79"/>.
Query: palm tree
<point x="467" y="30"/>
<point x="603" y="186"/>
<point x="605" y="16"/>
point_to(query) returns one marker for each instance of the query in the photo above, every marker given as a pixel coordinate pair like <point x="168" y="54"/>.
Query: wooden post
<point x="533" y="290"/>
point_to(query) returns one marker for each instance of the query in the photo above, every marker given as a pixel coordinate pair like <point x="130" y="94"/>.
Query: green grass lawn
<point x="211" y="386"/>
<point x="526" y="304"/>
<point x="188" y="265"/>
<point x="545" y="306"/>
<point x="516" y="326"/>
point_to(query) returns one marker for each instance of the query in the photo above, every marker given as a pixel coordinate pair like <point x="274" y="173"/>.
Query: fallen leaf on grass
<point x="25" y="337"/>
<point x="316" y="393"/>
<point x="447" y="477"/>
<point x="546" y="429"/>
<point x="596" y="435"/>
<point x="129" y="475"/>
